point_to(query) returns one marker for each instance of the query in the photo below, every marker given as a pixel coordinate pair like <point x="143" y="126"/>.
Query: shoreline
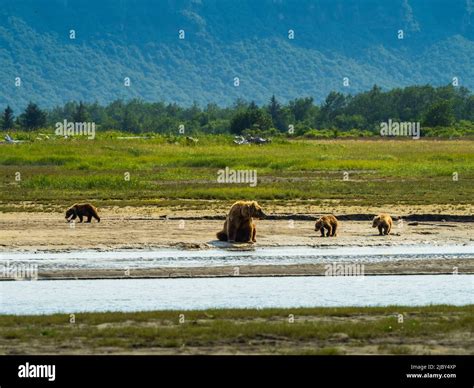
<point x="226" y="247"/>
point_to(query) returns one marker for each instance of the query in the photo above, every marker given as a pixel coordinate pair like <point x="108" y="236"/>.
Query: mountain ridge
<point x="139" y="40"/>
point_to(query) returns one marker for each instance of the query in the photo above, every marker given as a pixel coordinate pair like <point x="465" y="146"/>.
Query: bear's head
<point x="252" y="209"/>
<point x="376" y="221"/>
<point x="70" y="212"/>
<point x="318" y="225"/>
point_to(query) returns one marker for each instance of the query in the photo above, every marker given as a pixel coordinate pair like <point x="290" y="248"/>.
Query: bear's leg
<point x="334" y="229"/>
<point x="322" y="231"/>
<point x="244" y="233"/>
<point x="388" y="229"/>
<point x="240" y="236"/>
<point x="89" y="218"/>
<point x="221" y="236"/>
<point x="380" y="230"/>
<point x="329" y="228"/>
<point x="254" y="233"/>
<point x="80" y="217"/>
<point x="231" y="232"/>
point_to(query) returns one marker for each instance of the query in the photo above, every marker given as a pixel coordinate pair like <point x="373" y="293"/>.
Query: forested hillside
<point x="223" y="40"/>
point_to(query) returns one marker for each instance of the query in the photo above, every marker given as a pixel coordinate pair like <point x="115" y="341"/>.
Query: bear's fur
<point x="384" y="223"/>
<point x="82" y="210"/>
<point x="239" y="225"/>
<point x="328" y="223"/>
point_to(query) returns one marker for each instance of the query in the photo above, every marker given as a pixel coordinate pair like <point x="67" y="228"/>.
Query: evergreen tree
<point x="7" y="119"/>
<point x="80" y="115"/>
<point x="252" y="118"/>
<point x="33" y="117"/>
<point x="276" y="113"/>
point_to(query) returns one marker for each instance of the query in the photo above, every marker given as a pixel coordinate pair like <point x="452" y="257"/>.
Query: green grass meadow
<point x="166" y="169"/>
<point x="312" y="330"/>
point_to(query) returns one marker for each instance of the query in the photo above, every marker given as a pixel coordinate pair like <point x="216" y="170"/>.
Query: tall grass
<point x="384" y="171"/>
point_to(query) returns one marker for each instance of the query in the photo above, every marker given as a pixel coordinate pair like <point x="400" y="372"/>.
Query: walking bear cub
<point x="384" y="223"/>
<point x="328" y="223"/>
<point x="82" y="210"/>
<point x="239" y="225"/>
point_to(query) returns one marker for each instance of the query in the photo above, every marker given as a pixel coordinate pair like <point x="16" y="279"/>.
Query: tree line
<point x="431" y="106"/>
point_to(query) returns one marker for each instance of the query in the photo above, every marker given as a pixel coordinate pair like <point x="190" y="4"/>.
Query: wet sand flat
<point x="141" y="228"/>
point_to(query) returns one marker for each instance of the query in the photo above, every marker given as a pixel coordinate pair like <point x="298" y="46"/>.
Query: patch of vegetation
<point x="313" y="331"/>
<point x="162" y="169"/>
<point x="445" y="111"/>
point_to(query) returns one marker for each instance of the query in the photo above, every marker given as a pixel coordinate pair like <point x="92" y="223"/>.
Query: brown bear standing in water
<point x="384" y="223"/>
<point x="239" y="225"/>
<point x="82" y="210"/>
<point x="328" y="223"/>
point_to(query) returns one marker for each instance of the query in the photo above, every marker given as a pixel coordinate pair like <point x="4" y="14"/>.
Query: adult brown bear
<point x="384" y="223"/>
<point x="82" y="210"/>
<point x="239" y="225"/>
<point x="328" y="223"/>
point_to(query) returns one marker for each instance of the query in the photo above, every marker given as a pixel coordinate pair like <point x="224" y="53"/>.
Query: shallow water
<point x="219" y="257"/>
<point x="70" y="296"/>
